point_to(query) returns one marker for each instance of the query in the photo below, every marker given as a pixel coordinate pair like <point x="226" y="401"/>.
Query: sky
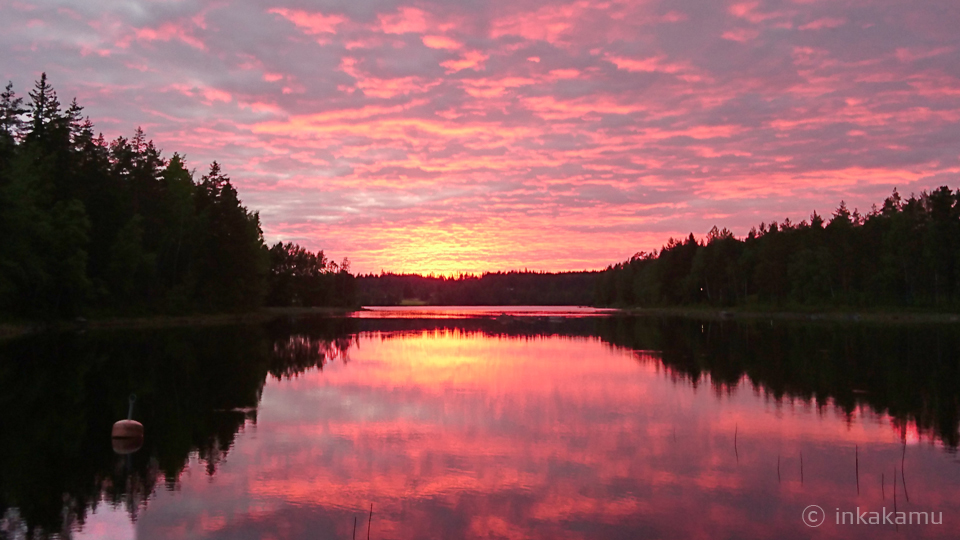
<point x="471" y="136"/>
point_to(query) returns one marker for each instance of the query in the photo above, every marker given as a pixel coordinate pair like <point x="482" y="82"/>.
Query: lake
<point x="485" y="423"/>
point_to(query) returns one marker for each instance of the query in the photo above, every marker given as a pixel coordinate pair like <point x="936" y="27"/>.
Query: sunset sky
<point x="467" y="136"/>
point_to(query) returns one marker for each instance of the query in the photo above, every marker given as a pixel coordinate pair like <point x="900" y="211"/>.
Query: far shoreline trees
<point x="904" y="254"/>
<point x="513" y="288"/>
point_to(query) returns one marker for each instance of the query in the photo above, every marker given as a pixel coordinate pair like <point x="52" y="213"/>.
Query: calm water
<point x="468" y="423"/>
<point x="472" y="312"/>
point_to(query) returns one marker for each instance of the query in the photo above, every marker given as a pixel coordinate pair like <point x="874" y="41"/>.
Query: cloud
<point x="469" y="137"/>
<point x="826" y="22"/>
<point x="406" y="20"/>
<point x="312" y="23"/>
<point x="441" y="42"/>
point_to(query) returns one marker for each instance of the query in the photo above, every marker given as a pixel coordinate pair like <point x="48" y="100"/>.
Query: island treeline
<point x="90" y="225"/>
<point x="514" y="288"/>
<point x="904" y="254"/>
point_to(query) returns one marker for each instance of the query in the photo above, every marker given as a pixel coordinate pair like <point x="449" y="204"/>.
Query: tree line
<point x="904" y="254"/>
<point x="513" y="288"/>
<point x="95" y="226"/>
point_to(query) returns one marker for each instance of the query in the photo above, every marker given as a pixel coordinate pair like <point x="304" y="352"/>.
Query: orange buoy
<point x="125" y="446"/>
<point x="127" y="434"/>
<point x="127" y="429"/>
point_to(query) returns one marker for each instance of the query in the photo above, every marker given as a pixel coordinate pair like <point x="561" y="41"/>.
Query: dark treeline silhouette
<point x="89" y="225"/>
<point x="904" y="254"/>
<point x="497" y="288"/>
<point x="301" y="278"/>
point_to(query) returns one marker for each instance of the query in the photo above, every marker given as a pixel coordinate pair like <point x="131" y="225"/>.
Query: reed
<point x="369" y="520"/>
<point x="903" y="479"/>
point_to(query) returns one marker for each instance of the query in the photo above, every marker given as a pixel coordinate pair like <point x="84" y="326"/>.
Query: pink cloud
<point x="741" y="35"/>
<point x="468" y="60"/>
<point x="674" y="16"/>
<point x="601" y="126"/>
<point x="548" y="23"/>
<point x="557" y="74"/>
<point x="911" y="54"/>
<point x="170" y="31"/>
<point x="749" y="12"/>
<point x="406" y="20"/>
<point x="383" y="87"/>
<point x="826" y="22"/>
<point x="441" y="42"/>
<point x="213" y="94"/>
<point x="651" y="64"/>
<point x="313" y="23"/>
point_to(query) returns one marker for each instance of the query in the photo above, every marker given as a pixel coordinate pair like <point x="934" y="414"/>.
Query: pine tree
<point x="44" y="112"/>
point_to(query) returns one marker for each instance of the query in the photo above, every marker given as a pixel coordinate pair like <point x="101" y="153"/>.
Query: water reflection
<point x="483" y="427"/>
<point x="503" y="313"/>
<point x="198" y="389"/>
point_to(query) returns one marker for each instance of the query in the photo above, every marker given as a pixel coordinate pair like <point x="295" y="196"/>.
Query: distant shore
<point x="12" y="330"/>
<point x="828" y="316"/>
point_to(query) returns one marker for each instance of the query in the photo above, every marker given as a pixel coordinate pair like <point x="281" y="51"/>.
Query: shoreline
<point x="14" y="330"/>
<point x="898" y="317"/>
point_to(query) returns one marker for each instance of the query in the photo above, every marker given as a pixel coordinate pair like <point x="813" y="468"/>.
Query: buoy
<point x="127" y="434"/>
<point x="126" y="446"/>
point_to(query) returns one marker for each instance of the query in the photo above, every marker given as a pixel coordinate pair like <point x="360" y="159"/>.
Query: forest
<point x="491" y="289"/>
<point x="903" y="254"/>
<point x="90" y="226"/>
